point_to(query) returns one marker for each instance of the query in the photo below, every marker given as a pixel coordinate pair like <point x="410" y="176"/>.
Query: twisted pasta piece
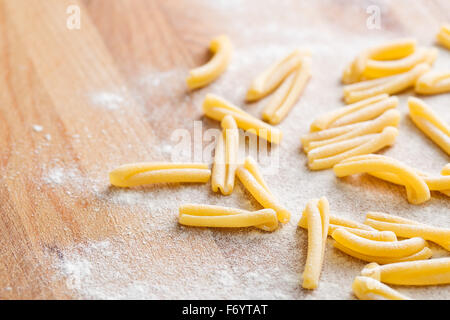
<point x="252" y="180"/>
<point x="438" y="235"/>
<point x="321" y="138"/>
<point x="416" y="188"/>
<point x="384" y="68"/>
<point x="221" y="47"/>
<point x="217" y="108"/>
<point x="329" y="155"/>
<point x="389" y="85"/>
<point x="201" y="215"/>
<point x="136" y="174"/>
<point x="226" y="157"/>
<point x="433" y="82"/>
<point x="271" y="78"/>
<point x="443" y="37"/>
<point x="366" y="288"/>
<point x="392" y="50"/>
<point x="317" y="214"/>
<point x="429" y="123"/>
<point x="367" y="109"/>
<point x="423" y="254"/>
<point x="389" y="249"/>
<point x="415" y="273"/>
<point x="289" y="92"/>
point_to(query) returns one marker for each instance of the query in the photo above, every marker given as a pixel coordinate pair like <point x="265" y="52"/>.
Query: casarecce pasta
<point x="423" y="254"/>
<point x="443" y="37"/>
<point x="266" y="82"/>
<point x="388" y="249"/>
<point x="366" y="288"/>
<point x="252" y="179"/>
<point x="217" y="108"/>
<point x="409" y="229"/>
<point x="364" y="110"/>
<point x="329" y="155"/>
<point x="429" y="123"/>
<point x="328" y="136"/>
<point x="317" y="214"/>
<point x="433" y="82"/>
<point x="288" y="93"/>
<point x="416" y="188"/>
<point x="136" y="174"/>
<point x="226" y="157"/>
<point x="389" y="85"/>
<point x="201" y="215"/>
<point x="415" y="273"/>
<point x="392" y="50"/>
<point x="222" y="48"/>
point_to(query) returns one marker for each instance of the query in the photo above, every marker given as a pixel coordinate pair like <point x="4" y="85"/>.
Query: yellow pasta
<point x="252" y="180"/>
<point x="321" y="138"/>
<point x="384" y="68"/>
<point x="366" y="288"/>
<point x="446" y="170"/>
<point x="289" y="92"/>
<point x="270" y="79"/>
<point x="388" y="85"/>
<point x="354" y="227"/>
<point x="423" y="254"/>
<point x="218" y="216"/>
<point x="429" y="123"/>
<point x="317" y="213"/>
<point x="433" y="82"/>
<point x="416" y="188"/>
<point x="415" y="273"/>
<point x="136" y="174"/>
<point x="443" y="37"/>
<point x="390" y="249"/>
<point x="438" y="235"/>
<point x="226" y="157"/>
<point x="221" y="47"/>
<point x="329" y="155"/>
<point x="367" y="109"/>
<point x="392" y="50"/>
<point x="217" y="108"/>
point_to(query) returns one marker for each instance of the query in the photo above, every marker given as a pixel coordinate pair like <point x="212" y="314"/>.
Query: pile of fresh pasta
<point x="345" y="140"/>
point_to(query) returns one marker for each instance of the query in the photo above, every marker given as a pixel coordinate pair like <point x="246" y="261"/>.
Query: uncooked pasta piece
<point x="438" y="235"/>
<point x="429" y="123"/>
<point x="443" y="37"/>
<point x="423" y="254"/>
<point x="217" y="108"/>
<point x="271" y="78"/>
<point x="289" y="92"/>
<point x="221" y="47"/>
<point x="367" y="109"/>
<point x="392" y="50"/>
<point x="414" y="273"/>
<point x="366" y="288"/>
<point x="388" y="85"/>
<point x="218" y="216"/>
<point x="317" y="213"/>
<point x="226" y="157"/>
<point x="251" y="178"/>
<point x="416" y="188"/>
<point x="136" y="174"/>
<point x="388" y="118"/>
<point x="380" y="216"/>
<point x="329" y="155"/>
<point x="384" y="68"/>
<point x="433" y="82"/>
<point x="446" y="170"/>
<point x="390" y="249"/>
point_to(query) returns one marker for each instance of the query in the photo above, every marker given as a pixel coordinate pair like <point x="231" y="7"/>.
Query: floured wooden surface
<point x="76" y="104"/>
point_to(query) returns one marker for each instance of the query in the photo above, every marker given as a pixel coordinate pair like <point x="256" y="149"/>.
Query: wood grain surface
<point x="76" y="103"/>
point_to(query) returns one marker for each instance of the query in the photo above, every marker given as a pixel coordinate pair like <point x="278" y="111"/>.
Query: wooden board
<point x="77" y="103"/>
